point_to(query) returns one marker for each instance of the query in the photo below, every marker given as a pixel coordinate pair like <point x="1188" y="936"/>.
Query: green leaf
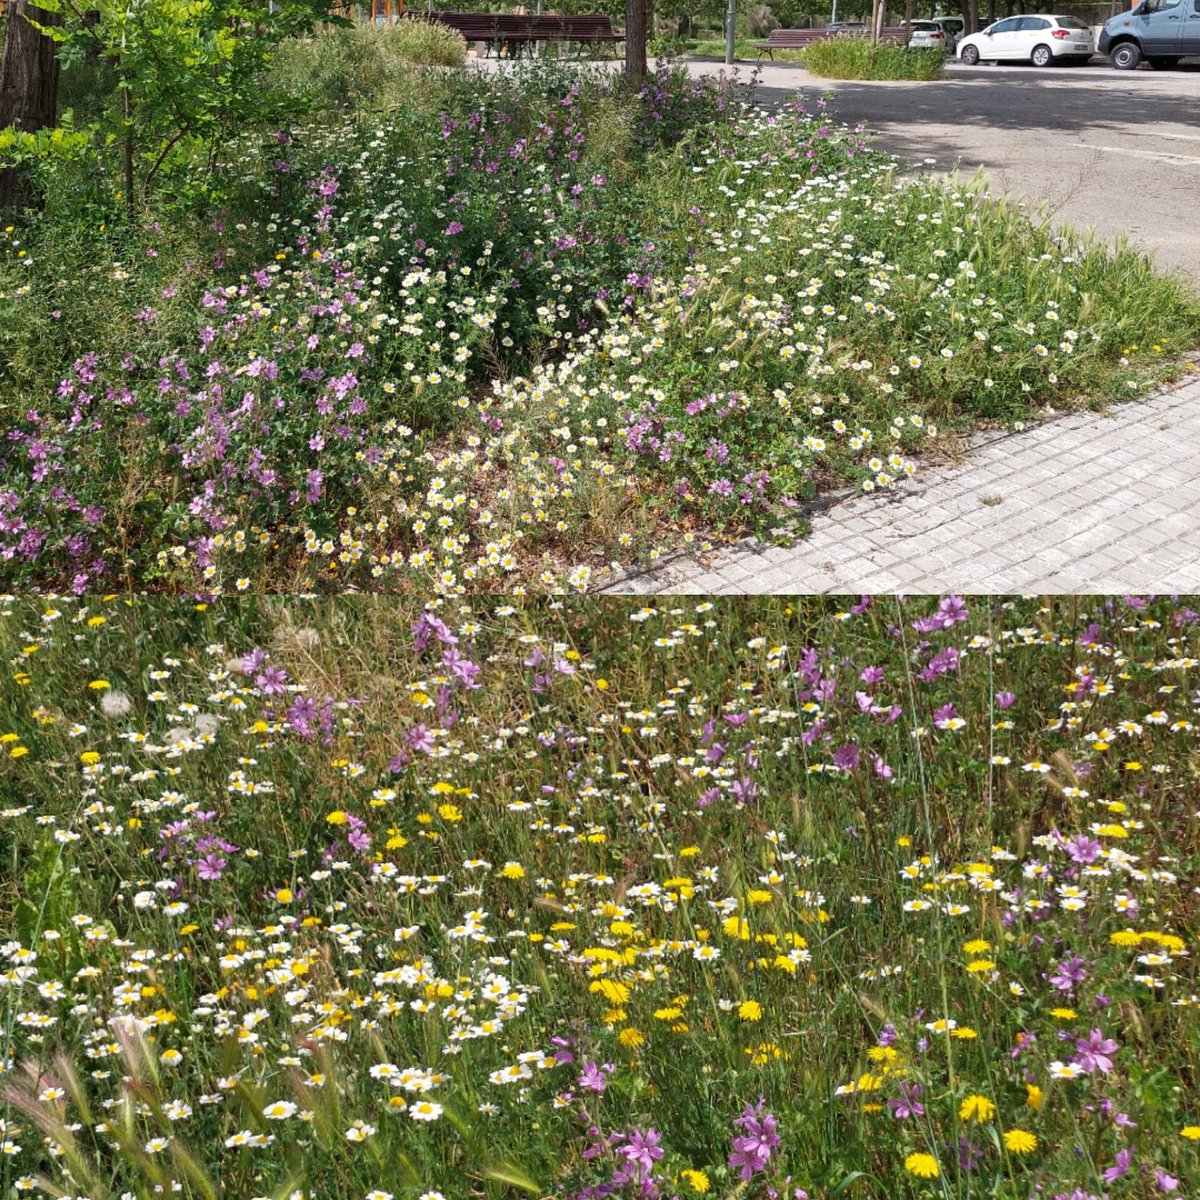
<point x="513" y="1175"/>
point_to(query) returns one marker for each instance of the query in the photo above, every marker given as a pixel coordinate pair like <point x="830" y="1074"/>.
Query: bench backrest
<point x="497" y="25"/>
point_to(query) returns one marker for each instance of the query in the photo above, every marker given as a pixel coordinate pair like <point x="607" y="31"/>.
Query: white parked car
<point x="953" y="27"/>
<point x="1040" y="39"/>
<point x="927" y="35"/>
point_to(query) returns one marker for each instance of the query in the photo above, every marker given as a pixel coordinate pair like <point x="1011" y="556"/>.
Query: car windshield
<point x="924" y="26"/>
<point x="1071" y="23"/>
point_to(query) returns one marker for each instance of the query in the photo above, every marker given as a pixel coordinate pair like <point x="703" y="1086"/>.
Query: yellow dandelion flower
<point x="923" y="1166"/>
<point x="1064" y="1014"/>
<point x="697" y="1180"/>
<point x="750" y="1010"/>
<point x="1019" y="1141"/>
<point x="630" y="1037"/>
<point x="976" y="1108"/>
<point x="1125" y="937"/>
<point x="337" y="817"/>
<point x="98" y="685"/>
<point x="284" y="895"/>
<point x="1034" y="1095"/>
<point x="964" y="1034"/>
<point x="1191" y="1132"/>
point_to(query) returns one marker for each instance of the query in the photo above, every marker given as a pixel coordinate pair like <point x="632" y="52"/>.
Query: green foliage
<point x="361" y="66"/>
<point x="857" y="58"/>
<point x="187" y="74"/>
<point x="58" y="144"/>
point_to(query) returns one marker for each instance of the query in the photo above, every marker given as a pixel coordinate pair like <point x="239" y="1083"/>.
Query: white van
<point x="1160" y="32"/>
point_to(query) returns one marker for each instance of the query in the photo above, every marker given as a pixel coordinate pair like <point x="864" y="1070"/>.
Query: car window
<point x="1008" y="26"/>
<point x="925" y="26"/>
<point x="1030" y="23"/>
<point x="1072" y="23"/>
<point x="1159" y="5"/>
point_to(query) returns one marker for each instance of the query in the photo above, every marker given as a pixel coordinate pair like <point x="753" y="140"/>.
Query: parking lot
<point x="1114" y="150"/>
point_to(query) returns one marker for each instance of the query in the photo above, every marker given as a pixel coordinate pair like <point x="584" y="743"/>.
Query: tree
<point x="189" y="72"/>
<point x="28" y="89"/>
<point x="637" y="19"/>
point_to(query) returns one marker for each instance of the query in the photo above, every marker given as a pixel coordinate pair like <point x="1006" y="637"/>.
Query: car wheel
<point x="1041" y="56"/>
<point x="1126" y="56"/>
<point x="970" y="56"/>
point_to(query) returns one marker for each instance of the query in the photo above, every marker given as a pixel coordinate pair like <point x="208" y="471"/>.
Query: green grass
<point x="277" y="873"/>
<point x="363" y="66"/>
<point x="857" y="58"/>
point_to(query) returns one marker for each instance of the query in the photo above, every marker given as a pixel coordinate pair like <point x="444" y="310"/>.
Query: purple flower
<point x="1124" y="1158"/>
<point x="1068" y="973"/>
<point x="302" y="714"/>
<point x="211" y="866"/>
<point x="642" y="1148"/>
<point x="253" y="660"/>
<point x="1094" y="1053"/>
<point x="753" y="1148"/>
<point x="419" y="738"/>
<point x="944" y="715"/>
<point x="272" y="681"/>
<point x="1083" y="849"/>
<point x="1005" y="699"/>
<point x="593" y="1076"/>
<point x="908" y="1103"/>
<point x="1166" y="1183"/>
<point x="969" y="1155"/>
<point x="847" y="758"/>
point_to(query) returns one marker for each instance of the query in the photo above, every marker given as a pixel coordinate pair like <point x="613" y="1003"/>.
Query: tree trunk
<point x="636" y="19"/>
<point x="28" y="89"/>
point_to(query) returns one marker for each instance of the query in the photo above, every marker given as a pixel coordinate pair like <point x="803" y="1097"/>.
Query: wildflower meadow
<point x="439" y="331"/>
<point x="793" y="898"/>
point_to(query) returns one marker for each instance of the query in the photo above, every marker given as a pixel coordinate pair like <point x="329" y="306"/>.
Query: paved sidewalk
<point x="1090" y="502"/>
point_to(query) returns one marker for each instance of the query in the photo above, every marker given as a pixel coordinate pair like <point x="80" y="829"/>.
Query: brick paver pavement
<point x="1090" y="502"/>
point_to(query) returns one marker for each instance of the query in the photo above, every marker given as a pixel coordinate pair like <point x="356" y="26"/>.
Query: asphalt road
<point x="1117" y="151"/>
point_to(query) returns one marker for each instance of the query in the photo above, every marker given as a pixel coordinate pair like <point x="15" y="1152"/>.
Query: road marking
<point x="1176" y="160"/>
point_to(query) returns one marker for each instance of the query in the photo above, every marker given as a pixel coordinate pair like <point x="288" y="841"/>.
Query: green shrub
<point x="362" y="65"/>
<point x="857" y="58"/>
<point x="427" y="43"/>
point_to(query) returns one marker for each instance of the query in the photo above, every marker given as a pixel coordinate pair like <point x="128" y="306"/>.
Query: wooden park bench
<point x="517" y="31"/>
<point x="798" y="39"/>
